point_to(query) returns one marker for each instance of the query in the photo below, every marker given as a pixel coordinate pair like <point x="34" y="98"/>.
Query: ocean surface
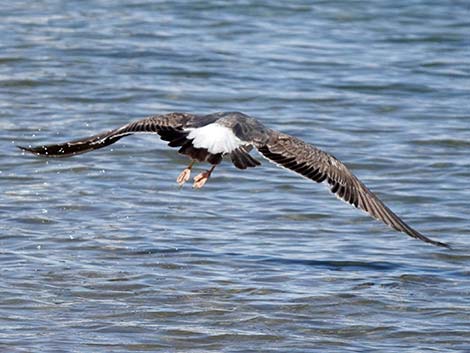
<point x="104" y="253"/>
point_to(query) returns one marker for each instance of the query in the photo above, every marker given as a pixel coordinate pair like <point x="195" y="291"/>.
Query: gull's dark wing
<point x="307" y="160"/>
<point x="168" y="126"/>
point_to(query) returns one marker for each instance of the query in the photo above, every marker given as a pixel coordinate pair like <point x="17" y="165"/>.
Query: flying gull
<point x="210" y="138"/>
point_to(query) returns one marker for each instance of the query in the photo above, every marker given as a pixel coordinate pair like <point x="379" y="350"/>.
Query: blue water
<point x="103" y="253"/>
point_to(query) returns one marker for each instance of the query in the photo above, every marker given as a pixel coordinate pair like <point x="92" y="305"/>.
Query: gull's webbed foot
<point x="201" y="179"/>
<point x="184" y="175"/>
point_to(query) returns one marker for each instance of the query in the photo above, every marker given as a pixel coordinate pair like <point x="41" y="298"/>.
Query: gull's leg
<point x="200" y="179"/>
<point x="184" y="176"/>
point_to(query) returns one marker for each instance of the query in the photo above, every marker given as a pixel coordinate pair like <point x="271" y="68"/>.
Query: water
<point x="103" y="253"/>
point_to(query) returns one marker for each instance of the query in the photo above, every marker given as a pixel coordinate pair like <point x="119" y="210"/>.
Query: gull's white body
<point x="215" y="138"/>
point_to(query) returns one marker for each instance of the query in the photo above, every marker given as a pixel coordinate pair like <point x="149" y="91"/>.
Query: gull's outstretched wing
<point x="168" y="126"/>
<point x="309" y="161"/>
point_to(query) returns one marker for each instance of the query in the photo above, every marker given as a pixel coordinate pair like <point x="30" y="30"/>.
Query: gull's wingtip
<point x="445" y="245"/>
<point x="438" y="243"/>
<point x="38" y="151"/>
<point x="24" y="148"/>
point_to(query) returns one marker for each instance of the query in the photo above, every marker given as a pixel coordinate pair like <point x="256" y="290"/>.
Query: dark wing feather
<point x="305" y="159"/>
<point x="242" y="159"/>
<point x="168" y="126"/>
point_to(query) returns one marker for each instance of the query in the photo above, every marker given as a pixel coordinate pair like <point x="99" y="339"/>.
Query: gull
<point x="214" y="137"/>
